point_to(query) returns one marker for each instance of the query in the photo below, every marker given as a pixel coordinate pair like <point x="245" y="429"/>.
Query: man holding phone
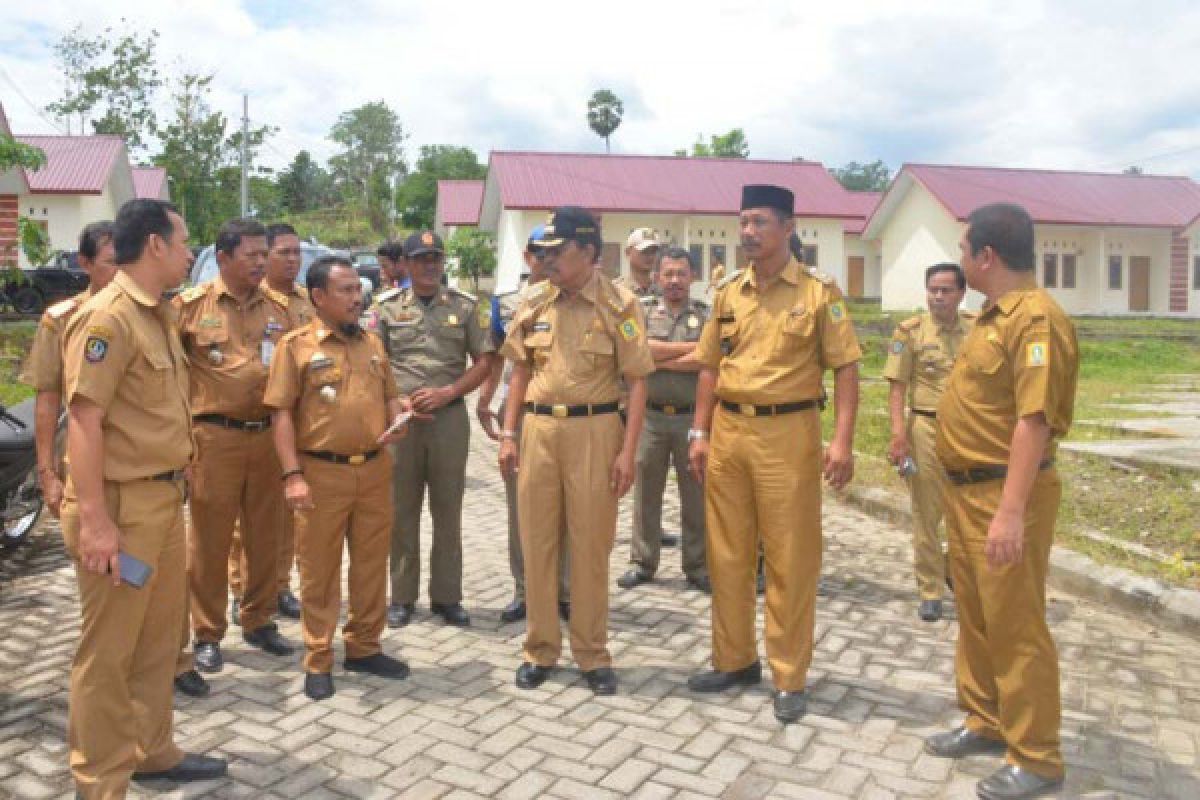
<point x="129" y="443"/>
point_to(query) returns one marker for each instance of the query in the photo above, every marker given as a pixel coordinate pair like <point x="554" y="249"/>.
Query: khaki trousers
<point x="926" y="489"/>
<point x="283" y="569"/>
<point x="764" y="480"/>
<point x="120" y="706"/>
<point x="564" y="482"/>
<point x="664" y="444"/>
<point x="353" y="509"/>
<point x="1006" y="664"/>
<point x="516" y="561"/>
<point x="237" y="475"/>
<point x="433" y="454"/>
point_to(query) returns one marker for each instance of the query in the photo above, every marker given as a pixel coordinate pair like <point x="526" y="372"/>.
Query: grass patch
<point x="16" y="339"/>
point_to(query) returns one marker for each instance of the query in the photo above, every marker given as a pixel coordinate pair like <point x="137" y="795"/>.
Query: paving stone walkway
<point x="458" y="728"/>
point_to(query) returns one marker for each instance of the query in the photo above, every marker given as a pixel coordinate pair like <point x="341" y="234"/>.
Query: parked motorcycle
<point x="20" y="495"/>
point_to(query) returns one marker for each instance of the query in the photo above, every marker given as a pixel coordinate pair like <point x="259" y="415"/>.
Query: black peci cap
<point x="761" y="195"/>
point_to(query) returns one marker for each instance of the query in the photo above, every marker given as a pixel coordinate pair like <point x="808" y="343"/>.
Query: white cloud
<point x="1075" y="84"/>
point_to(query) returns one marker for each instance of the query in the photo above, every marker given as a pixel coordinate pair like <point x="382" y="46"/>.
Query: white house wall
<point x="62" y="213"/>
<point x="920" y="233"/>
<point x="1193" y="237"/>
<point x="872" y="263"/>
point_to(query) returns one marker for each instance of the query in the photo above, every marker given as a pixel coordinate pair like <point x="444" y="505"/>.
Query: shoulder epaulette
<point x="823" y="277"/>
<point x="62" y="308"/>
<point x="730" y="278"/>
<point x="968" y="314"/>
<point x="464" y="295"/>
<point x="910" y="324"/>
<point x="277" y="296"/>
<point x="295" y="334"/>
<point x="619" y="298"/>
<point x="193" y="294"/>
<point x="388" y="295"/>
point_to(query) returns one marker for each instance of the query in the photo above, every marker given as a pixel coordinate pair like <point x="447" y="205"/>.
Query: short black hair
<point x="136" y="222"/>
<point x="232" y="232"/>
<point x="91" y="238"/>
<point x="678" y="254"/>
<point x="318" y="271"/>
<point x="277" y="229"/>
<point x="1007" y="229"/>
<point x="390" y="249"/>
<point x="960" y="277"/>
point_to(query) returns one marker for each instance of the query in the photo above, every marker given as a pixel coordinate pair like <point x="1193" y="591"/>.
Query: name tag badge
<point x="693" y="322"/>
<point x="320" y="361"/>
<point x="268" y="352"/>
<point x="541" y="327"/>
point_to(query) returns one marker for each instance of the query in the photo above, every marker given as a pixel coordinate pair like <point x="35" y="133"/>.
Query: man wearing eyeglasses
<point x="920" y="355"/>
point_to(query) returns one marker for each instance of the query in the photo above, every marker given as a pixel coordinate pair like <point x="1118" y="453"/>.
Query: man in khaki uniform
<point x="642" y="249"/>
<point x="775" y="328"/>
<point x="45" y="368"/>
<point x="504" y="309"/>
<point x="284" y="258"/>
<point x="334" y="396"/>
<point x="569" y="344"/>
<point x="1010" y="397"/>
<point x="230" y="328"/>
<point x="129" y="444"/>
<point x="673" y="325"/>
<point x="429" y="332"/>
<point x="920" y="356"/>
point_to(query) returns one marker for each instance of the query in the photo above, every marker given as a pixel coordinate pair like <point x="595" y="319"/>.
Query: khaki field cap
<point x="642" y="239"/>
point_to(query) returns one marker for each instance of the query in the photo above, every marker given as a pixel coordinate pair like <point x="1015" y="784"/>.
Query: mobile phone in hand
<point x="134" y="571"/>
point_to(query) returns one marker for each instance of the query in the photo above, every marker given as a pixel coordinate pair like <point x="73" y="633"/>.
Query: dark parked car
<point x="58" y="278"/>
<point x="366" y="264"/>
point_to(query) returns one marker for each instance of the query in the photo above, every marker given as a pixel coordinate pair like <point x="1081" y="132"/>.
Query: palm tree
<point x="604" y="114"/>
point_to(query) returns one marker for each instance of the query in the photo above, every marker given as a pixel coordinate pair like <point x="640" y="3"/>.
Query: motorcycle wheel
<point x="17" y="530"/>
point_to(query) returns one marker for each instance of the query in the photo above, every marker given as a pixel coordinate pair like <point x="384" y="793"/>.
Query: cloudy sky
<point x="1072" y="84"/>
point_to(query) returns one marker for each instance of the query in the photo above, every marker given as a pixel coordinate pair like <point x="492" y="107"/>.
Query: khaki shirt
<point x="666" y="386"/>
<point x="1021" y="358"/>
<point x="229" y="347"/>
<point x="123" y="353"/>
<point x="45" y="368"/>
<point x="336" y="386"/>
<point x="428" y="345"/>
<point x="771" y="346"/>
<point x="577" y="346"/>
<point x="626" y="282"/>
<point x="299" y="307"/>
<point x="921" y="355"/>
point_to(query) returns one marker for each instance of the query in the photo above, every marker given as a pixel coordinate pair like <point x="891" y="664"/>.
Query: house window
<point x="1114" y="272"/>
<point x="716" y="255"/>
<point x="810" y="255"/>
<point x="1196" y="272"/>
<point x="697" y="251"/>
<point x="1050" y="270"/>
<point x="1068" y="271"/>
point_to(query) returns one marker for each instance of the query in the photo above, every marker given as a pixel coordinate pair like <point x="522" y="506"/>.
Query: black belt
<point x="670" y="410"/>
<point x="922" y="412"/>
<point x="236" y="424"/>
<point x="338" y="458"/>
<point x="560" y="411"/>
<point x="991" y="472"/>
<point x="171" y="476"/>
<point x="751" y="410"/>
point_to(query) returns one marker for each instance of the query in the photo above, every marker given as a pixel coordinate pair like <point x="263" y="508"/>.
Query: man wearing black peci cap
<point x="774" y="330"/>
<point x="569" y="344"/>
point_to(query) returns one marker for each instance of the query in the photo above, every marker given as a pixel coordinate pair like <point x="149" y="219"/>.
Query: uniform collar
<point x="221" y="288"/>
<point x="439" y="297"/>
<point x="1007" y="302"/>
<point x="131" y="288"/>
<point x="955" y="327"/>
<point x="322" y="332"/>
<point x="791" y="273"/>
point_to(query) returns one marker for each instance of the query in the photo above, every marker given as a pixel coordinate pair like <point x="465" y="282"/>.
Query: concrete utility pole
<point x="245" y="154"/>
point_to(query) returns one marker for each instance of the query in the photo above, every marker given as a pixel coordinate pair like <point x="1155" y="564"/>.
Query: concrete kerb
<point x="1178" y="609"/>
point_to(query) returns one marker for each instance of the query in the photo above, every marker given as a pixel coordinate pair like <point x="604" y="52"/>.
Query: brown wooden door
<point x="610" y="259"/>
<point x="855" y="267"/>
<point x="1139" y="283"/>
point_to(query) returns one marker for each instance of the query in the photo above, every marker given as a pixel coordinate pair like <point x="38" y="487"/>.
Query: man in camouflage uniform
<point x="642" y="249"/>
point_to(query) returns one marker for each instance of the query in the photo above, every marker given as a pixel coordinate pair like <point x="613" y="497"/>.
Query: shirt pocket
<point x="204" y="341"/>
<point x="598" y="352"/>
<point x="159" y="373"/>
<point x="797" y="328"/>
<point x="730" y="333"/>
<point x="452" y="332"/>
<point x="402" y="336"/>
<point x="537" y="345"/>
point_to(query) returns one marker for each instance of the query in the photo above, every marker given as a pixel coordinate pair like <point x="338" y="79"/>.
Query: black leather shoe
<point x="790" y="706"/>
<point x="192" y="768"/>
<point x="930" y="610"/>
<point x="378" y="664"/>
<point x="208" y="657"/>
<point x="1013" y="783"/>
<point x="235" y="612"/>
<point x="452" y="613"/>
<point x="961" y="742"/>
<point x="268" y="639"/>
<point x="717" y="681"/>
<point x="289" y="605"/>
<point x="192" y="684"/>
<point x="634" y="577"/>
<point x="602" y="680"/>
<point x="318" y="685"/>
<point x="531" y="676"/>
<point x="564" y="611"/>
<point x="513" y="611"/>
<point x="400" y="615"/>
<point x="670" y="540"/>
<point x="701" y="583"/>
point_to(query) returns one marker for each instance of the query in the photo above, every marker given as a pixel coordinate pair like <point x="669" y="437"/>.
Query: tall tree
<point x="111" y="80"/>
<point x="605" y="111"/>
<point x="304" y="184"/>
<point x="729" y="145"/>
<point x="856" y="177"/>
<point x="372" y="141"/>
<point x="416" y="198"/>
